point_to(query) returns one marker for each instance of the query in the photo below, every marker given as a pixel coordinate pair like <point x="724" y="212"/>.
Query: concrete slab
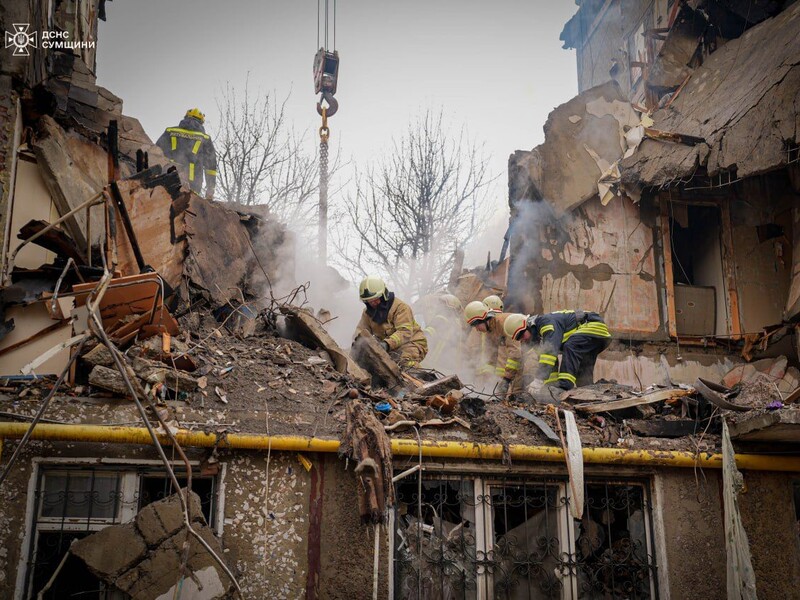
<point x="777" y="426"/>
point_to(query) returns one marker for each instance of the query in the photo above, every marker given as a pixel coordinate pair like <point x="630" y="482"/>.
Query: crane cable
<point x="326" y="87"/>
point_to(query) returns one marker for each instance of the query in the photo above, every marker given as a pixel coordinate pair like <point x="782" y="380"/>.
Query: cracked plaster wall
<point x="265" y="540"/>
<point x="599" y="258"/>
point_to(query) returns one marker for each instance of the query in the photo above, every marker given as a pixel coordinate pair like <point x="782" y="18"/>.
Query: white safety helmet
<point x="372" y="287"/>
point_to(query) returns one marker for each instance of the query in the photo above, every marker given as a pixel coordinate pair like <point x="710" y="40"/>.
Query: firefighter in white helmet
<point x="579" y="336"/>
<point x="494" y="302"/>
<point x="391" y="320"/>
<point x="502" y="356"/>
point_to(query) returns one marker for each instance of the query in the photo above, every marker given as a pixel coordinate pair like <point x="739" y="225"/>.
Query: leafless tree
<point x="261" y="159"/>
<point x="413" y="207"/>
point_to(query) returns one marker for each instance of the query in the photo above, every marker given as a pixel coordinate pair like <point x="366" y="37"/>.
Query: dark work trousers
<point x="578" y="356"/>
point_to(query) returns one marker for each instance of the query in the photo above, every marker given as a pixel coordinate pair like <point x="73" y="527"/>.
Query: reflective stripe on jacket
<point x="400" y="327"/>
<point x="194" y="151"/>
<point x="554" y="329"/>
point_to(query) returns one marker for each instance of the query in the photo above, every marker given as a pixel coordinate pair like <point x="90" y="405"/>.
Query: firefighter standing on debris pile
<point x="578" y="335"/>
<point x="190" y="147"/>
<point x="443" y="328"/>
<point x="390" y="320"/>
<point x="503" y="356"/>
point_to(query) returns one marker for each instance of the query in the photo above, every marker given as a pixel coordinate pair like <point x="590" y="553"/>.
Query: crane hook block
<point x="326" y="71"/>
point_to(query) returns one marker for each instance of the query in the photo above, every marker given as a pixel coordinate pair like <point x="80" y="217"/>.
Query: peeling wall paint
<point x="600" y="258"/>
<point x="266" y="530"/>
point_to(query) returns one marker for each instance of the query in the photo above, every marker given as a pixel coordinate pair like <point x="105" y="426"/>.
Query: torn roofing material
<point x="743" y="101"/>
<point x="583" y="138"/>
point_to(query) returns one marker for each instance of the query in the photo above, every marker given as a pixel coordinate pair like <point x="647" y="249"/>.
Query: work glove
<point x="502" y="388"/>
<point x="385" y="345"/>
<point x="534" y="387"/>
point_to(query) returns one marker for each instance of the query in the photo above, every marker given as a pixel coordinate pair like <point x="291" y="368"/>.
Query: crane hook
<point x="332" y="107"/>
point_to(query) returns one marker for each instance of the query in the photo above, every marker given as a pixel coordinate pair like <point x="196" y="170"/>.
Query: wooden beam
<point x="669" y="285"/>
<point x="729" y="270"/>
<point x="652" y="398"/>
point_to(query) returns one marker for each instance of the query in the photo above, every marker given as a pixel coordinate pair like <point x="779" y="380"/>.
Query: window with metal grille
<point x="73" y="502"/>
<point x="473" y="539"/>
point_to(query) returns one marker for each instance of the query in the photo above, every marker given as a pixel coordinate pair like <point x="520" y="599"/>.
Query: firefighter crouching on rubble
<point x="391" y="321"/>
<point x="190" y="147"/>
<point x="503" y="356"/>
<point x="578" y="335"/>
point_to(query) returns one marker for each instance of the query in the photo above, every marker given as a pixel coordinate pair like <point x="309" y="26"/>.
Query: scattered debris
<point x="651" y="398"/>
<point x="718" y="395"/>
<point x="440" y="386"/>
<point x="307" y="326"/>
<point x="540" y="423"/>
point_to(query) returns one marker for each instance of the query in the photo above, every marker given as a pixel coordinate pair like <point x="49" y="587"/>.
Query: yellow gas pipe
<point x="400" y="447"/>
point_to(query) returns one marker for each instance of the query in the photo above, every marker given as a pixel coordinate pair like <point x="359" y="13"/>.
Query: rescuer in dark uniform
<point x="579" y="336"/>
<point x="189" y="146"/>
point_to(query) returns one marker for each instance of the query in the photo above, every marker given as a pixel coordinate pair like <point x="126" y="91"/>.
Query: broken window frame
<point x="730" y="293"/>
<point x="130" y="475"/>
<point x="486" y="559"/>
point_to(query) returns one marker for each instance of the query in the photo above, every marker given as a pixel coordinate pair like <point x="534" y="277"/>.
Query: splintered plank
<point x="574" y="453"/>
<point x="309" y="326"/>
<point x="54" y="240"/>
<point x="440" y="386"/>
<point x="651" y="398"/>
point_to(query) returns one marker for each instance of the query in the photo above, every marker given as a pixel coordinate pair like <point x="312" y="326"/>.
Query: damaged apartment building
<point x="199" y="434"/>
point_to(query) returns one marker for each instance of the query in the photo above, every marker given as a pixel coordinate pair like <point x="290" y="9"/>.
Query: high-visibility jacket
<point x="553" y="330"/>
<point x="400" y="331"/>
<point x="193" y="151"/>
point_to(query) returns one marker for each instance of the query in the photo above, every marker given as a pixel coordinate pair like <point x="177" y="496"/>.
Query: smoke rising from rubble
<point x="528" y="228"/>
<point x="331" y="297"/>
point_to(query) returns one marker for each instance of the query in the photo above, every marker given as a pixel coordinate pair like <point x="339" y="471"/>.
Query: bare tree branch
<point x="262" y="160"/>
<point x="414" y="206"/>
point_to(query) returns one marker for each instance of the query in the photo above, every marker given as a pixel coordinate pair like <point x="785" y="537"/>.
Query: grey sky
<point x="496" y="66"/>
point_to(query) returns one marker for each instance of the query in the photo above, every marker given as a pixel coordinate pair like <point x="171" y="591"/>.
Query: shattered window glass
<point x="515" y="539"/>
<point x="612" y="555"/>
